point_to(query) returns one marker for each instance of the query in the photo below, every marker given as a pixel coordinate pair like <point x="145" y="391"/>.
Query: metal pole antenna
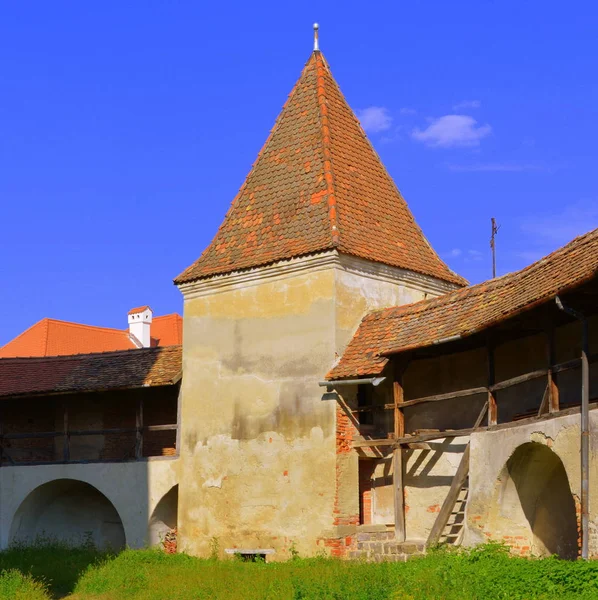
<point x="316" y="40"/>
<point x="495" y="229"/>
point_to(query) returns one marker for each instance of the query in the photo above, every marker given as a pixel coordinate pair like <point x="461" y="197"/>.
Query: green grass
<point x="486" y="573"/>
<point x="56" y="565"/>
<point x="15" y="585"/>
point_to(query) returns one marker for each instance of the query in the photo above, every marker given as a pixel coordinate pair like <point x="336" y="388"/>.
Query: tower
<point x="317" y="236"/>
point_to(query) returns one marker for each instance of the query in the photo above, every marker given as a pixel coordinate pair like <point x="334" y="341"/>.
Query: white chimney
<point x="140" y="322"/>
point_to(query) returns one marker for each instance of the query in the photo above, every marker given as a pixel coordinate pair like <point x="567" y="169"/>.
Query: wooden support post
<point x="66" y="438"/>
<point x="139" y="430"/>
<point x="553" y="388"/>
<point x="397" y="455"/>
<point x="399" y="497"/>
<point x="492" y="408"/>
<point x="399" y="417"/>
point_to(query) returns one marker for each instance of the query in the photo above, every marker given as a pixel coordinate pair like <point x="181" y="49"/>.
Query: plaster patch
<point x="215" y="482"/>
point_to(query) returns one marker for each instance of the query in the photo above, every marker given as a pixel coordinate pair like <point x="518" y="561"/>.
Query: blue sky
<point x="126" y="129"/>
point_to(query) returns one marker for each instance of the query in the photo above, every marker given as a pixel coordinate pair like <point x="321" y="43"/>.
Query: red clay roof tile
<point x="139" y="309"/>
<point x="318" y="184"/>
<point x="50" y="337"/>
<point x="90" y="372"/>
<point x="466" y="311"/>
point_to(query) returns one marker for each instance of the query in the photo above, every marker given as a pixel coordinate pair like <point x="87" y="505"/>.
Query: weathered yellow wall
<point x="496" y="508"/>
<point x="258" y="435"/>
<point x="358" y="294"/>
<point x="257" y="443"/>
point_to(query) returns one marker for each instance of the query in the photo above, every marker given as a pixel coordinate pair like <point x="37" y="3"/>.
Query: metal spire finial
<point x="316" y="44"/>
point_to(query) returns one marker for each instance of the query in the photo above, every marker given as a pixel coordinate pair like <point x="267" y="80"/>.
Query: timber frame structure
<point x="104" y="407"/>
<point x="480" y="378"/>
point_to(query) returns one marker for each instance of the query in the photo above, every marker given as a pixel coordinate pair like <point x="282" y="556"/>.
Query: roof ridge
<point x="476" y="289"/>
<point x="65" y="357"/>
<point x="386" y="174"/>
<point x="85" y="325"/>
<point x="37" y="323"/>
<point x="325" y="132"/>
<point x="239" y="193"/>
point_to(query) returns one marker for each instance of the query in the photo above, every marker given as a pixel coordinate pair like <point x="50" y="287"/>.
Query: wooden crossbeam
<point x="447" y="396"/>
<point x="517" y="380"/>
<point x="495" y="387"/>
<point x="85" y="432"/>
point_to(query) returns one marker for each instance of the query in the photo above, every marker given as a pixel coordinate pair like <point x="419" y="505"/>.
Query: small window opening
<point x="251" y="555"/>
<point x="364" y="400"/>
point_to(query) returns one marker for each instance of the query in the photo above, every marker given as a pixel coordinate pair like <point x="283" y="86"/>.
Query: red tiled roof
<point x="167" y="330"/>
<point x="466" y="311"/>
<point x="90" y="372"/>
<point x="139" y="309"/>
<point x="318" y="184"/>
<point x="50" y="337"/>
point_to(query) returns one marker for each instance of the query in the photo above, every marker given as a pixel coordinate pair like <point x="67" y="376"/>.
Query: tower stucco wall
<point x="258" y="435"/>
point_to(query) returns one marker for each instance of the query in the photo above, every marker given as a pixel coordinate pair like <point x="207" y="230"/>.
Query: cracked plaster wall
<point x="495" y="512"/>
<point x="258" y="436"/>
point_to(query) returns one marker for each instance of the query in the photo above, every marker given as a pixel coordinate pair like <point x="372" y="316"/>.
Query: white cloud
<point x="452" y="131"/>
<point x="467" y="104"/>
<point x="375" y="118"/>
<point x="474" y="255"/>
<point x="499" y="167"/>
<point x="408" y="111"/>
<point x="466" y="255"/>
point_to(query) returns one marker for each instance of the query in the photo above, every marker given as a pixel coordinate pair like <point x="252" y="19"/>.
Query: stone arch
<point x="68" y="510"/>
<point x="535" y="497"/>
<point x="165" y="515"/>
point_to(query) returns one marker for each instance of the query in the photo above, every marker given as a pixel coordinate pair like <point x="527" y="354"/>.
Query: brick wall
<point x="367" y="466"/>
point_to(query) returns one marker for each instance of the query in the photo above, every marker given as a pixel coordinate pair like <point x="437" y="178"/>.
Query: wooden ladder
<point x="450" y="521"/>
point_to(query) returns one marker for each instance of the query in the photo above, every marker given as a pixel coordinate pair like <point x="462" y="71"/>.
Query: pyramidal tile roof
<point x="317" y="185"/>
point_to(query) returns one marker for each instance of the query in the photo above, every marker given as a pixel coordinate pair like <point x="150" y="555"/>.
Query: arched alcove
<point x="164" y="517"/>
<point x="534" y="494"/>
<point x="71" y="511"/>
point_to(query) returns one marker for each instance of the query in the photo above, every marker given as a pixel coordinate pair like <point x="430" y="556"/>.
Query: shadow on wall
<point x="71" y="511"/>
<point x="164" y="517"/>
<point x="535" y="493"/>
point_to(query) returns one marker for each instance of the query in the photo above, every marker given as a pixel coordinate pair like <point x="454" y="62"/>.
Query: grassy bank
<point x="55" y="567"/>
<point x="484" y="574"/>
